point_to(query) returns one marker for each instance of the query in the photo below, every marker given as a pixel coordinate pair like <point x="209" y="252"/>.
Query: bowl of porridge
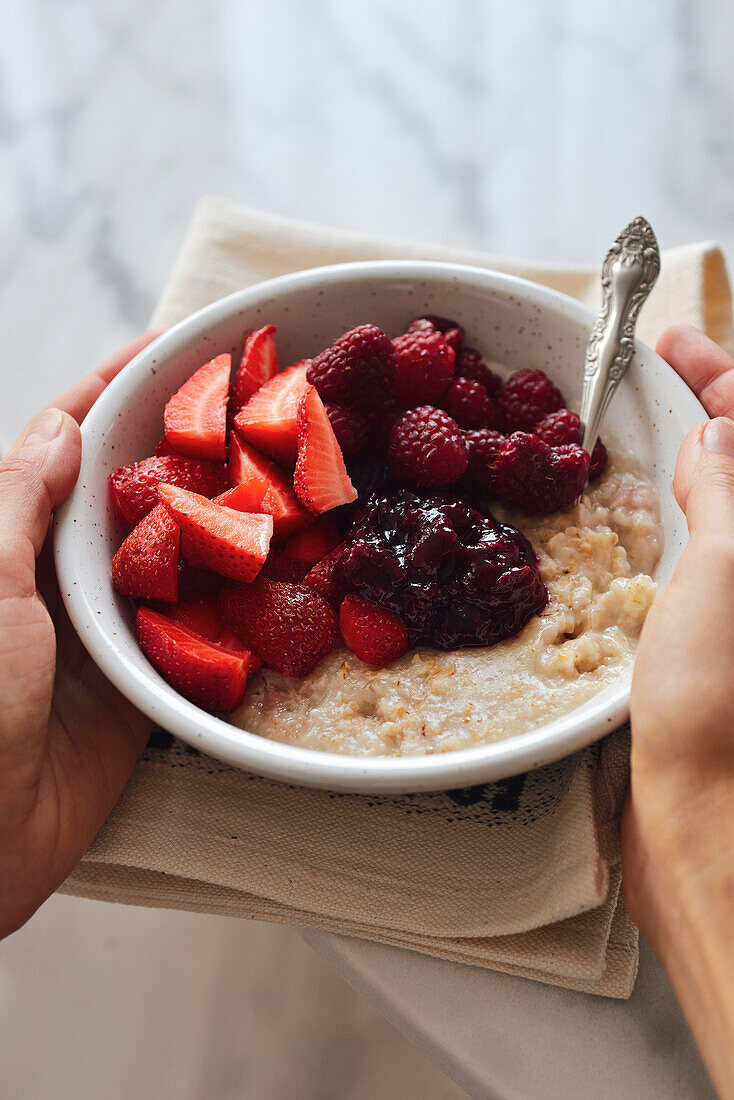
<point x="483" y="613"/>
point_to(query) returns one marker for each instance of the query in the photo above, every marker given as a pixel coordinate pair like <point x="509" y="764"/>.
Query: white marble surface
<point x="535" y="129"/>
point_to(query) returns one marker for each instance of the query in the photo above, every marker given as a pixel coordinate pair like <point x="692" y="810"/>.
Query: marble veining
<point x="535" y="130"/>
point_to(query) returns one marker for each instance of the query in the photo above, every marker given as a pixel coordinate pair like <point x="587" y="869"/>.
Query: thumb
<point x="36" y="476"/>
<point x="704" y="478"/>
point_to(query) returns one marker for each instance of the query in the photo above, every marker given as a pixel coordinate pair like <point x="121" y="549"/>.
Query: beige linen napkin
<point x="520" y="876"/>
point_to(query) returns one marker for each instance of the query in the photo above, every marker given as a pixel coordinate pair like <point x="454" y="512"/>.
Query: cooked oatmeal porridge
<point x="597" y="560"/>
<point x="318" y="559"/>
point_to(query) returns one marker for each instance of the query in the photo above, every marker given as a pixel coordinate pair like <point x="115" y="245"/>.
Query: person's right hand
<point x="678" y="828"/>
<point x="68" y="739"/>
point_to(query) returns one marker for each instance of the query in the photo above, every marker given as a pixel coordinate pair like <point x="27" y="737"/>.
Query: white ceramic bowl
<point x="514" y="322"/>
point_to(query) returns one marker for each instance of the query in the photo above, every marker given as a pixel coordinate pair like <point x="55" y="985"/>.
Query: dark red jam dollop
<point x="454" y="576"/>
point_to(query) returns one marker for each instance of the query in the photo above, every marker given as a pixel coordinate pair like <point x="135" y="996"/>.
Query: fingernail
<point x="718" y="436"/>
<point x="45" y="427"/>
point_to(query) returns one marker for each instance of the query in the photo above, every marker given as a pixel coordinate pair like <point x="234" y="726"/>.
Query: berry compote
<point x="454" y="576"/>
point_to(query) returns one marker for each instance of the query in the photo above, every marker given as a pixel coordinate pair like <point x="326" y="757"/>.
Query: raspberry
<point x="469" y="364"/>
<point x="427" y="448"/>
<point x="598" y="462"/>
<point x="452" y="576"/>
<point x="424" y="367"/>
<point x="350" y="428"/>
<point x="484" y="446"/>
<point x="452" y="333"/>
<point x="525" y="399"/>
<point x="563" y="426"/>
<point x="374" y="634"/>
<point x="469" y="404"/>
<point x="357" y="370"/>
<point x="558" y="428"/>
<point x="539" y="478"/>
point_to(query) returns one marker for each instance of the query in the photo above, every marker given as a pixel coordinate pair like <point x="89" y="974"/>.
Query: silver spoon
<point x="628" y="274"/>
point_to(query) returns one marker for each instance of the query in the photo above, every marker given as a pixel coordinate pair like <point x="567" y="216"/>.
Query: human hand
<point x="68" y="739"/>
<point x="678" y="827"/>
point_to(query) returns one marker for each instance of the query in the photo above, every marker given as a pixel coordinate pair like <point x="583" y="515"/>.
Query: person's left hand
<point x="68" y="739"/>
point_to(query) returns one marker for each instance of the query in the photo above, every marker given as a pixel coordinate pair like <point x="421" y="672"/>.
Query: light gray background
<point x="535" y="129"/>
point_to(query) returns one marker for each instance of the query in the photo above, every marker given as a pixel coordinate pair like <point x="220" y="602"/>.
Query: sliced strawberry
<point x="267" y="484"/>
<point x="283" y="507"/>
<point x="195" y="417"/>
<point x="375" y="635"/>
<point x="268" y="420"/>
<point x="232" y="644"/>
<point x="163" y="448"/>
<point x="248" y="466"/>
<point x="232" y="543"/>
<point x="199" y="615"/>
<point x="207" y="675"/>
<point x="279" y="567"/>
<point x="134" y="488"/>
<point x="259" y="364"/>
<point x="327" y="579"/>
<point x="288" y="514"/>
<point x="315" y="542"/>
<point x="290" y="627"/>
<point x="146" y="565"/>
<point x="243" y="498"/>
<point x="320" y="480"/>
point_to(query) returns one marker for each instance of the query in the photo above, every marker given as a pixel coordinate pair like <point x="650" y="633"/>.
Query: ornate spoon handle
<point x="627" y="277"/>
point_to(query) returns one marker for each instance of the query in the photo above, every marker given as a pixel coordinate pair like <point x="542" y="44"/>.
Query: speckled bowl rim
<point x="308" y="767"/>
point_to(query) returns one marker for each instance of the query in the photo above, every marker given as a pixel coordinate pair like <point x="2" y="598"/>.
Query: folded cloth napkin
<point x="520" y="876"/>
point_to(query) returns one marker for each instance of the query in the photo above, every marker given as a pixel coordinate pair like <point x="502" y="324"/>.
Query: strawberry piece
<point x="268" y="420"/>
<point x="232" y="644"/>
<point x="247" y="466"/>
<point x="320" y="480"/>
<point x="290" y="627"/>
<point x="327" y="579"/>
<point x="269" y="488"/>
<point x="232" y="543"/>
<point x="315" y="542"/>
<point x="229" y="641"/>
<point x="374" y="634"/>
<point x="146" y="565"/>
<point x="195" y="418"/>
<point x="279" y="567"/>
<point x="243" y="498"/>
<point x="259" y="364"/>
<point x="199" y="615"/>
<point x="211" y="677"/>
<point x="250" y="498"/>
<point x="163" y="448"/>
<point x="134" y="488"/>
